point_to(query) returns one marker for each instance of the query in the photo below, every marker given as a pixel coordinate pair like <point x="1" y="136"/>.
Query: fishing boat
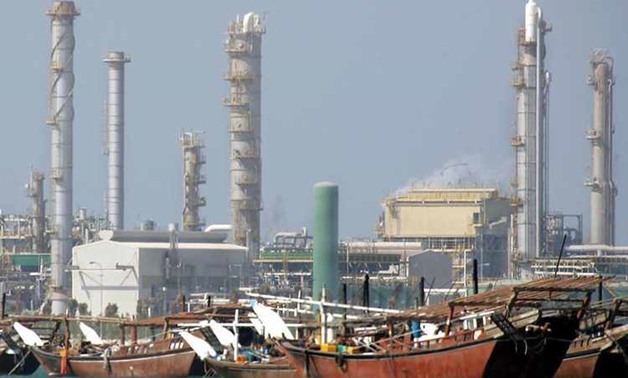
<point x="161" y="358"/>
<point x="279" y="368"/>
<point x="266" y="362"/>
<point x="602" y="349"/>
<point x="168" y="356"/>
<point x="500" y="346"/>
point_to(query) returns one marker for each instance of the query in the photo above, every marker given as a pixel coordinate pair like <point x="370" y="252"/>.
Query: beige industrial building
<point x="135" y="268"/>
<point x="460" y="221"/>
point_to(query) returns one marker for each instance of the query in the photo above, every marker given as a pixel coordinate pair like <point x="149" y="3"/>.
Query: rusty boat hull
<point x="531" y="356"/>
<point x="226" y="369"/>
<point x="599" y="357"/>
<point x="467" y="361"/>
<point x="172" y="363"/>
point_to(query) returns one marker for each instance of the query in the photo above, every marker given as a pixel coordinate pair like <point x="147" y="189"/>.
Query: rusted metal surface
<point x="276" y="369"/>
<point x="162" y="358"/>
<point x="453" y="362"/>
<point x="601" y="356"/>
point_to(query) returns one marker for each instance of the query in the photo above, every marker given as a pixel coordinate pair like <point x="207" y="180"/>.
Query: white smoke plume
<point x="464" y="171"/>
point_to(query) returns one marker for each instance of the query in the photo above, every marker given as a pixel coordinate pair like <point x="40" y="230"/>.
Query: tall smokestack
<point x="603" y="189"/>
<point x="60" y="118"/>
<point x="244" y="48"/>
<point x="35" y="190"/>
<point x="115" y="60"/>
<point x="531" y="82"/>
<point x="193" y="160"/>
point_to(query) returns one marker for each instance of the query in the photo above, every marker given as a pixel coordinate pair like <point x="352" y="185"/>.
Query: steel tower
<point x="531" y="82"/>
<point x="60" y="118"/>
<point x="244" y="48"/>
<point x="35" y="190"/>
<point x="603" y="191"/>
<point x="193" y="160"/>
<point x="115" y="60"/>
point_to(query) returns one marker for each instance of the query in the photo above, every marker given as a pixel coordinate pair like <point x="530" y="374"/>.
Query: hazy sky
<point x="369" y="94"/>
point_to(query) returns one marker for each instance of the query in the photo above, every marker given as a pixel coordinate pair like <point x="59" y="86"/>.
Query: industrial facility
<point x="425" y="233"/>
<point x="464" y="223"/>
<point x="146" y="269"/>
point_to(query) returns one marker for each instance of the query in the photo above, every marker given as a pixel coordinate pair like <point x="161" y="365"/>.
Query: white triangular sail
<point x="224" y="336"/>
<point x="259" y="327"/>
<point x="201" y="347"/>
<point x="273" y="323"/>
<point x="90" y="334"/>
<point x="28" y="336"/>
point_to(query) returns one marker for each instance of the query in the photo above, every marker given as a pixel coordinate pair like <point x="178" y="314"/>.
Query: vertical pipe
<point x="539" y="190"/>
<point x="475" y="277"/>
<point x="325" y="270"/>
<point x="4" y="306"/>
<point x="60" y="119"/>
<point x="244" y="46"/>
<point x="422" y="292"/>
<point x="366" y="292"/>
<point x="115" y="61"/>
<point x="344" y="300"/>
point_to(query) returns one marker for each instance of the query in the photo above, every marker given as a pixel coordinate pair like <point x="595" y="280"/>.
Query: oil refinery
<point x="427" y="235"/>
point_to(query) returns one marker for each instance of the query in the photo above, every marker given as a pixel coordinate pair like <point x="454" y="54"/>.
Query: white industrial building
<point x="126" y="267"/>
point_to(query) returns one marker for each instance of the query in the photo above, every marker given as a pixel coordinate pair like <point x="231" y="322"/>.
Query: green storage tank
<point x="325" y="271"/>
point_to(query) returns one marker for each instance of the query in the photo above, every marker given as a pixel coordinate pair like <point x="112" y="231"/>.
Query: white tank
<point x="532" y="20"/>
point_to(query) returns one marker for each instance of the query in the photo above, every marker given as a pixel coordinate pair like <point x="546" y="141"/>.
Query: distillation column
<point x="35" y="190"/>
<point x="530" y="82"/>
<point x="115" y="60"/>
<point x="244" y="48"/>
<point x="603" y="189"/>
<point x="60" y="118"/>
<point x="193" y="160"/>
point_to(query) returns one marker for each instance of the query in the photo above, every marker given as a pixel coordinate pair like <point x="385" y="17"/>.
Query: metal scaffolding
<point x="193" y="160"/>
<point x="244" y="48"/>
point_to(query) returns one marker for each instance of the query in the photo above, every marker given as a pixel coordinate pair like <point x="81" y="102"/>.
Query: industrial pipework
<point x="115" y="61"/>
<point x="35" y="190"/>
<point x="603" y="191"/>
<point x="193" y="160"/>
<point x="60" y="118"/>
<point x="531" y="82"/>
<point x="244" y="48"/>
<point x="325" y="265"/>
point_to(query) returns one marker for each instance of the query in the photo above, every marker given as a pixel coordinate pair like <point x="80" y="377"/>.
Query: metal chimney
<point x="115" y="60"/>
<point x="603" y="191"/>
<point x="531" y="83"/>
<point x="60" y="118"/>
<point x="244" y="48"/>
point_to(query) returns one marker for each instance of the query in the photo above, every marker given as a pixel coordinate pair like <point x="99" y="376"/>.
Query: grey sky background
<point x="370" y="94"/>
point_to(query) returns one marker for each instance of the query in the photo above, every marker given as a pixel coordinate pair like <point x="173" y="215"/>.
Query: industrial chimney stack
<point x="531" y="83"/>
<point x="60" y="118"/>
<point x="244" y="48"/>
<point x="603" y="191"/>
<point x="115" y="60"/>
<point x="193" y="160"/>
